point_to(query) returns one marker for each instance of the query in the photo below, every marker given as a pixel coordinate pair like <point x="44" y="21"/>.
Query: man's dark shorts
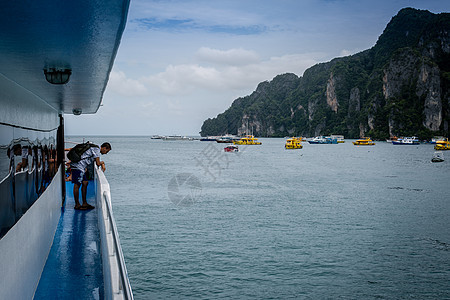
<point x="78" y="177"/>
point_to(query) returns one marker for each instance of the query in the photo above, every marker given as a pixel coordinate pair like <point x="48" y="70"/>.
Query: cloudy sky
<point x="183" y="61"/>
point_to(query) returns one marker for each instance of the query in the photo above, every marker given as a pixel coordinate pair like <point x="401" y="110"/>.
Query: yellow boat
<point x="364" y="142"/>
<point x="293" y="143"/>
<point x="442" y="145"/>
<point x="247" y="140"/>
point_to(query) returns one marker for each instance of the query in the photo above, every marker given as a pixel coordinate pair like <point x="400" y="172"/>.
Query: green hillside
<point x="398" y="87"/>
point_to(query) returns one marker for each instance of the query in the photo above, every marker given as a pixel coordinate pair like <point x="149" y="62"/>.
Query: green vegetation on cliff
<point x="398" y="87"/>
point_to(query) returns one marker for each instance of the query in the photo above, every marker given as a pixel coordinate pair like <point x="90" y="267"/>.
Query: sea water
<point x="323" y="222"/>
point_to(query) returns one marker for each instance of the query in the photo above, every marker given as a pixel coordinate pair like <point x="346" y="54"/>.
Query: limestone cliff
<point x="401" y="86"/>
<point x="331" y="94"/>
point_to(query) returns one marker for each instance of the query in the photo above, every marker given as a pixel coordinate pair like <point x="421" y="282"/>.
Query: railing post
<point x="61" y="157"/>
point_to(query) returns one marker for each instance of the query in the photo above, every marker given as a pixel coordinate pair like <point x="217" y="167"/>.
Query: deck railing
<point x="117" y="284"/>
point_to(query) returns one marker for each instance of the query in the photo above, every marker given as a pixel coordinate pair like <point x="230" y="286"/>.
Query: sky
<point x="181" y="62"/>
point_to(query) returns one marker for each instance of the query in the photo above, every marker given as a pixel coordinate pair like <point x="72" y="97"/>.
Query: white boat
<point x="339" y="138"/>
<point x="209" y="138"/>
<point x="438" y="157"/>
<point x="318" y="140"/>
<point x="436" y="139"/>
<point x="406" y="141"/>
<point x="176" y="138"/>
<point x="55" y="60"/>
<point x="323" y="140"/>
<point x="227" y="138"/>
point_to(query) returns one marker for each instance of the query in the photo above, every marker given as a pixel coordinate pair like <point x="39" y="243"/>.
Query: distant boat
<point x="391" y="139"/>
<point x="364" y="142"/>
<point x="177" y="138"/>
<point x="318" y="140"/>
<point x="227" y="138"/>
<point x="293" y="143"/>
<point x="231" y="148"/>
<point x="436" y="138"/>
<point x="209" y="139"/>
<point x="338" y="138"/>
<point x="406" y="141"/>
<point x="323" y="140"/>
<point x="438" y="157"/>
<point x="247" y="140"/>
<point x="442" y="145"/>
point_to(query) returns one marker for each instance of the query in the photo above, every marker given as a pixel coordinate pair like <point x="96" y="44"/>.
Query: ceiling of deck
<point x="82" y="36"/>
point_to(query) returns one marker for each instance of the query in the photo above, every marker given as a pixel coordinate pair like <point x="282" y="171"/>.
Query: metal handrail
<point x="126" y="286"/>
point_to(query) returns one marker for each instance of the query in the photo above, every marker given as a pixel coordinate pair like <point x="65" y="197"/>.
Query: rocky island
<point x="398" y="87"/>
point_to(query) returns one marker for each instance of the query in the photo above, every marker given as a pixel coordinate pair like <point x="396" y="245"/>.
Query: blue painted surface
<point x="74" y="266"/>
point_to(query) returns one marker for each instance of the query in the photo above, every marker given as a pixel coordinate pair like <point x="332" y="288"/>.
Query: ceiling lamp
<point x="57" y="76"/>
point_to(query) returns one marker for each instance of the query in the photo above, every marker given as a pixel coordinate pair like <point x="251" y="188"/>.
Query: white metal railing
<point x="115" y="271"/>
<point x="124" y="282"/>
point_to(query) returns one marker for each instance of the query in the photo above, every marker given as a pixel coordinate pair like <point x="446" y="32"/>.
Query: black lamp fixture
<point x="77" y="111"/>
<point x="57" y="76"/>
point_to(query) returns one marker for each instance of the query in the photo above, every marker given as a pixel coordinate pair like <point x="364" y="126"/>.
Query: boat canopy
<point x="51" y="41"/>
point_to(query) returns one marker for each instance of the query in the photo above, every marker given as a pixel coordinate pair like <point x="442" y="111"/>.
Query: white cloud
<point x="182" y="79"/>
<point x="148" y="104"/>
<point x="175" y="107"/>
<point x="120" y="84"/>
<point x="148" y="109"/>
<point x="232" y="57"/>
<point x="185" y="79"/>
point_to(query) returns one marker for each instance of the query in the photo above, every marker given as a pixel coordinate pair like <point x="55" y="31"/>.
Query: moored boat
<point x="176" y="138"/>
<point x="318" y="140"/>
<point x="231" y="148"/>
<point x="406" y="141"/>
<point x="436" y="138"/>
<point x="391" y="139"/>
<point x="293" y="143"/>
<point x="364" y="142"/>
<point x="247" y="140"/>
<point x="209" y="139"/>
<point x="323" y="140"/>
<point x="339" y="138"/>
<point x="227" y="138"/>
<point x="442" y="145"/>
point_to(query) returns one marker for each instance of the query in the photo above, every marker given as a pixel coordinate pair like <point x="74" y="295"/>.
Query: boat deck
<point x="74" y="266"/>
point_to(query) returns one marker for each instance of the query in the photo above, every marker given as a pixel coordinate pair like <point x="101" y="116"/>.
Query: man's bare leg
<point x="76" y="195"/>
<point x="84" y="192"/>
<point x="84" y="195"/>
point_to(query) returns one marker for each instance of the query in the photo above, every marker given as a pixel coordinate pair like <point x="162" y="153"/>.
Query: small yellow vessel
<point x="442" y="145"/>
<point x="247" y="140"/>
<point x="364" y="142"/>
<point x="293" y="143"/>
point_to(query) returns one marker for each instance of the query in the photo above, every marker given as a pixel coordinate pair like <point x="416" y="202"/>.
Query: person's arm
<point x="100" y="163"/>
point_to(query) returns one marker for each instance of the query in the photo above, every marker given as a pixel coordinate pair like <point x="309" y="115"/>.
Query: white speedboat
<point x="323" y="140"/>
<point x="438" y="157"/>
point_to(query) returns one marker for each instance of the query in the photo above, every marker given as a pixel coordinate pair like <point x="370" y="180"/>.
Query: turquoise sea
<point x="323" y="222"/>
